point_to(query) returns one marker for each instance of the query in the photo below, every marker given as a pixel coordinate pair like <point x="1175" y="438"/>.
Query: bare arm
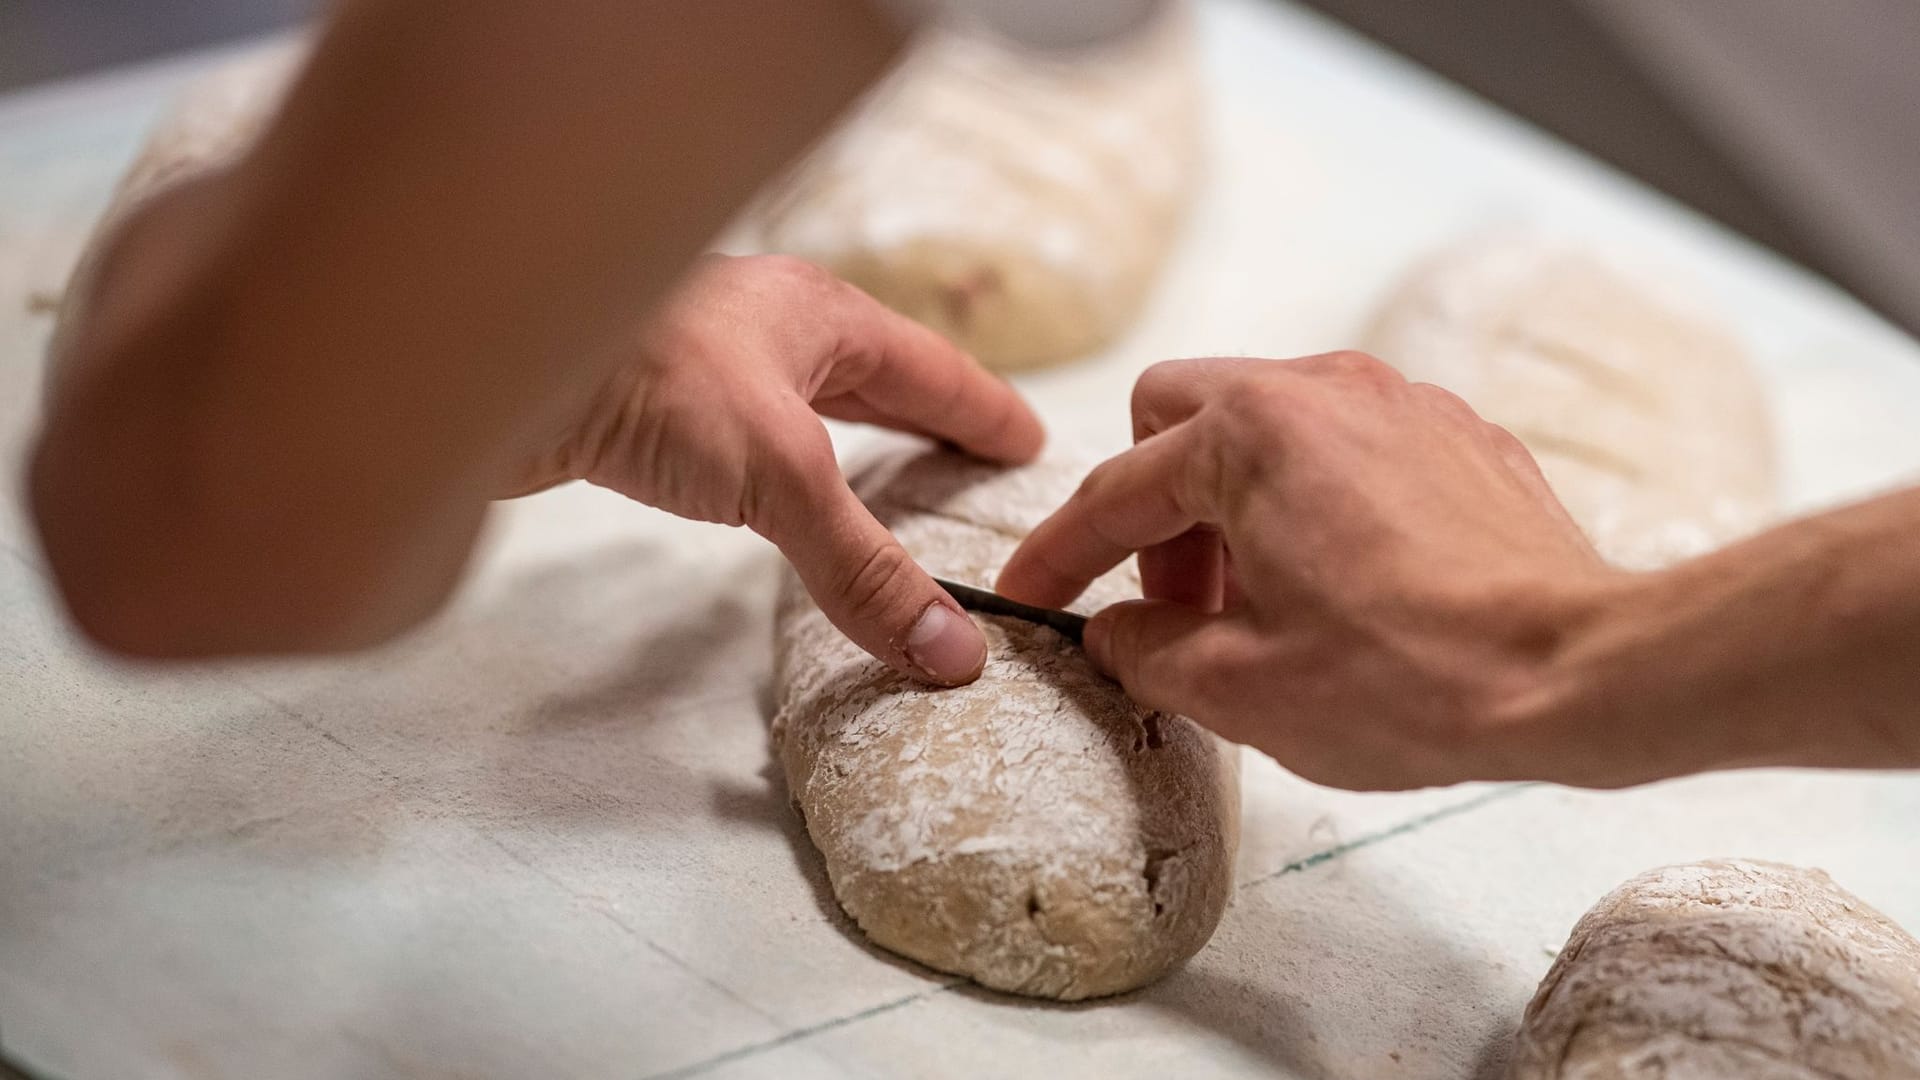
<point x="1800" y="646"/>
<point x="304" y="377"/>
<point x="1361" y="577"/>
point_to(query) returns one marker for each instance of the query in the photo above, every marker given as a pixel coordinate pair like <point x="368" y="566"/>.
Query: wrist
<point x="1581" y="707"/>
<point x="1667" y="673"/>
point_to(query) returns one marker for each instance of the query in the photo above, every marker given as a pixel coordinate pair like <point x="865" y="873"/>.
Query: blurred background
<point x="1795" y="123"/>
<point x="42" y="40"/>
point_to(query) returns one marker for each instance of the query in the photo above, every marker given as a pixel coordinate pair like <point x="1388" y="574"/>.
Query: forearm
<point x="1800" y="646"/>
<point x="301" y="382"/>
<point x="165" y="532"/>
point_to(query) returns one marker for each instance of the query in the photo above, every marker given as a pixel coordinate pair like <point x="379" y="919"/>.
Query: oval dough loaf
<point x="1727" y="970"/>
<point x="1647" y="422"/>
<point x="1019" y="203"/>
<point x="1035" y="831"/>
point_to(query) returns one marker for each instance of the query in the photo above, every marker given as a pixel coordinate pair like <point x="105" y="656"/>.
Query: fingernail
<point x="946" y="646"/>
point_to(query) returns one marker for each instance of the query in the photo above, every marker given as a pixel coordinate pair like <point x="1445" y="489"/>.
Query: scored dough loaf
<point x="1647" y="421"/>
<point x="1727" y="969"/>
<point x="1019" y="203"/>
<point x="1035" y="831"/>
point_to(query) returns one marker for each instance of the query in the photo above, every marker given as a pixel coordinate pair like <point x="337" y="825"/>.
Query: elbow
<point x="145" y="577"/>
<point x="147" y="625"/>
<point x="170" y="611"/>
<point x="177" y="599"/>
<point x="141" y="604"/>
<point x="170" y="529"/>
<point x="88" y="565"/>
<point x="135" y="620"/>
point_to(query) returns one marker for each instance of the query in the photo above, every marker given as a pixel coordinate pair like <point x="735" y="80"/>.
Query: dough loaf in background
<point x="1020" y="203"/>
<point x="1035" y="831"/>
<point x="1728" y="969"/>
<point x="1645" y="418"/>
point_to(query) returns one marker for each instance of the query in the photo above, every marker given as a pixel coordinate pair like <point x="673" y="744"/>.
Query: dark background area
<point x="1795" y="123"/>
<point x="1554" y="64"/>
<point x="51" y="39"/>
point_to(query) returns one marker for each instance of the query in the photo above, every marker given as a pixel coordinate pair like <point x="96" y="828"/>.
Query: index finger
<point x="1148" y="495"/>
<point x="908" y="376"/>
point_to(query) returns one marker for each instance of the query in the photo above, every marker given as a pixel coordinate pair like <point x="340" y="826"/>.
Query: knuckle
<point x="792" y="265"/>
<point x="1241" y="658"/>
<point x="1171" y="390"/>
<point x="1150" y="391"/>
<point x="1157" y="377"/>
<point x="870" y="587"/>
<point x="711" y="276"/>
<point x="800" y="275"/>
<point x="1507" y="442"/>
<point x="1214" y="467"/>
<point x="1354" y="364"/>
<point x="1258" y="411"/>
<point x="1165" y="369"/>
<point x="1444" y="401"/>
<point x="714" y="262"/>
<point x="1098" y="480"/>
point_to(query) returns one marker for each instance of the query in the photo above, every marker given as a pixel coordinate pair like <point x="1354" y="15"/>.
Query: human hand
<point x="1351" y="572"/>
<point x="716" y="417"/>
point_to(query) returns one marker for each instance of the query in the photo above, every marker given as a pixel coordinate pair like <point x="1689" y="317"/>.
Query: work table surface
<point x="541" y="836"/>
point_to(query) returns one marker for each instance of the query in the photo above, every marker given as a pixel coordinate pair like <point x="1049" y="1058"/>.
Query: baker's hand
<point x="1351" y="572"/>
<point x="717" y="417"/>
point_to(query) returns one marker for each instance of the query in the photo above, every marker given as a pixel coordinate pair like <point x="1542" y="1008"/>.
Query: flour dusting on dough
<point x="1023" y="831"/>
<point x="1730" y="968"/>
<point x="1641" y="410"/>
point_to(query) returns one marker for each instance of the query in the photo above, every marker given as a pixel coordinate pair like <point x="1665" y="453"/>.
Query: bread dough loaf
<point x="1647" y="421"/>
<point x="1019" y="203"/>
<point x="1731" y="969"/>
<point x="1035" y="831"/>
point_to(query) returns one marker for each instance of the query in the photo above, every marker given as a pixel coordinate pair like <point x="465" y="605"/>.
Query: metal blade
<point x="1067" y="623"/>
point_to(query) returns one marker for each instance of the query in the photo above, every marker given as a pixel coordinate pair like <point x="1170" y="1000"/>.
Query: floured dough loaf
<point x="1646" y="420"/>
<point x="1035" y="831"/>
<point x="1727" y="970"/>
<point x="1019" y="203"/>
<point x="213" y="121"/>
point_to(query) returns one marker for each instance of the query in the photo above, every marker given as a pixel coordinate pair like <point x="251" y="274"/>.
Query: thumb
<point x="1162" y="653"/>
<point x="869" y="587"/>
